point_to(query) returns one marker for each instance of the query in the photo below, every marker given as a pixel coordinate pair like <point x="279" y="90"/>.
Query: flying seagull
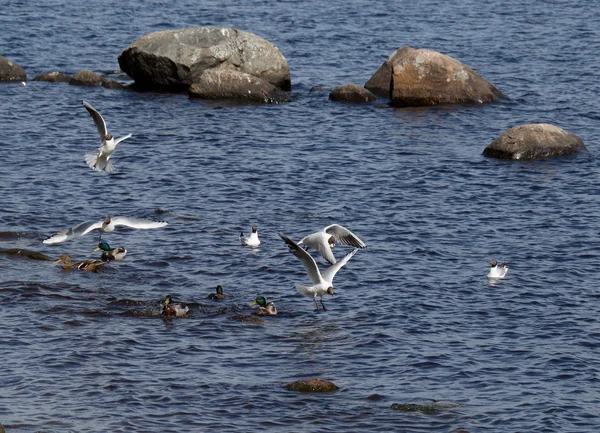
<point x="104" y="226"/>
<point x="322" y="282"/>
<point x="324" y="240"/>
<point x="100" y="160"/>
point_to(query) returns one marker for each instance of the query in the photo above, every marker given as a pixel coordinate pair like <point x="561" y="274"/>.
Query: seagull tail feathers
<point x="91" y="159"/>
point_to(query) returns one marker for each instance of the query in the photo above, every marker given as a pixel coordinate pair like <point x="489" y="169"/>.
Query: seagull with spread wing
<point x="324" y="240"/>
<point x="322" y="281"/>
<point x="105" y="226"/>
<point x="100" y="160"/>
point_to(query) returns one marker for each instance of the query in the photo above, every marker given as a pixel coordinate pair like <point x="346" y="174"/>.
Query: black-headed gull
<point x="324" y="240"/>
<point x="497" y="271"/>
<point x="100" y="160"/>
<point x="252" y="240"/>
<point x="323" y="281"/>
<point x="108" y="224"/>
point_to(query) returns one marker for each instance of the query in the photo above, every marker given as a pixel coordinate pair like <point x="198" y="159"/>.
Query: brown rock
<point x="113" y="84"/>
<point x="86" y="78"/>
<point x="424" y="77"/>
<point x="174" y="59"/>
<point x="10" y="71"/>
<point x="312" y="385"/>
<point x="534" y="141"/>
<point x="251" y="319"/>
<point x="53" y="77"/>
<point x="351" y="93"/>
<point x="230" y="84"/>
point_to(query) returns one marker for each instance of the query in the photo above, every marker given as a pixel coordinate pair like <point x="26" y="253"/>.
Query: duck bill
<point x="96" y="249"/>
<point x="252" y="303"/>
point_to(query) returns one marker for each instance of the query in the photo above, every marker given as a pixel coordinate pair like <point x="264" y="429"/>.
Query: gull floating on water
<point x="324" y="240"/>
<point x="497" y="271"/>
<point x="252" y="240"/>
<point x="100" y="160"/>
<point x="322" y="281"/>
<point x="105" y="226"/>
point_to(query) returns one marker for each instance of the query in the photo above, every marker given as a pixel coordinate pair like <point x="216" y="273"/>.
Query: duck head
<point x="260" y="301"/>
<point x="102" y="246"/>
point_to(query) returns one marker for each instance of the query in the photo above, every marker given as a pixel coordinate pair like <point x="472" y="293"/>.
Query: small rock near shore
<point x="351" y="93"/>
<point x="10" y="71"/>
<point x="54" y="77"/>
<point x="86" y="78"/>
<point x="312" y="385"/>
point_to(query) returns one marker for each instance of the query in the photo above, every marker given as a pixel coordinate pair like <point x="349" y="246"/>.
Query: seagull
<point x="497" y="271"/>
<point x="252" y="240"/>
<point x="323" y="241"/>
<point x="99" y="161"/>
<point x="322" y="281"/>
<point x="105" y="226"/>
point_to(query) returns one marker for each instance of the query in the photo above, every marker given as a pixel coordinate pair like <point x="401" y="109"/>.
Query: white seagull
<point x="497" y="271"/>
<point x="323" y="282"/>
<point x="252" y="240"/>
<point x="104" y="226"/>
<point x="100" y="160"/>
<point x="324" y="240"/>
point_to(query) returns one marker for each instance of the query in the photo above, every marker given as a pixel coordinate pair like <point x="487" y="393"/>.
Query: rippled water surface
<point x="414" y="318"/>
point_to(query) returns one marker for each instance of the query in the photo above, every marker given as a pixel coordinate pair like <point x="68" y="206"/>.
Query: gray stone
<point x="10" y="71"/>
<point x="534" y="141"/>
<point x="412" y="78"/>
<point x="312" y="385"/>
<point x="53" y="77"/>
<point x="229" y="84"/>
<point x="174" y="59"/>
<point x="86" y="78"/>
<point x="351" y="93"/>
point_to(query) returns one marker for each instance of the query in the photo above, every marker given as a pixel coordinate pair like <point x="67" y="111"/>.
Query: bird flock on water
<point x="322" y="241"/>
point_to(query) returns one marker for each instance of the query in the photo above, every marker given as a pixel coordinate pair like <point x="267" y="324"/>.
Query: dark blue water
<point x="414" y="317"/>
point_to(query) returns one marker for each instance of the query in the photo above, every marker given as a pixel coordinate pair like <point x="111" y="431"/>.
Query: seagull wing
<point x="98" y="120"/>
<point x="330" y="272"/>
<point x="138" y="223"/>
<point x="325" y="250"/>
<point x="344" y="236"/>
<point x="74" y="232"/>
<point x="305" y="258"/>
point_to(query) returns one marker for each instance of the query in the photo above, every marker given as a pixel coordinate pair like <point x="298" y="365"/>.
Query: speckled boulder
<point x="53" y="77"/>
<point x="312" y="385"/>
<point x="174" y="59"/>
<point x="10" y="71"/>
<point x="351" y="93"/>
<point x="86" y="78"/>
<point x="412" y="78"/>
<point x="230" y="84"/>
<point x="534" y="141"/>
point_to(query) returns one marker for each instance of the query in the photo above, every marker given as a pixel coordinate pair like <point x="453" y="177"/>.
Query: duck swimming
<point x="263" y="309"/>
<point x="109" y="253"/>
<point x="173" y="309"/>
<point x="497" y="271"/>
<point x="87" y="265"/>
<point x="218" y="293"/>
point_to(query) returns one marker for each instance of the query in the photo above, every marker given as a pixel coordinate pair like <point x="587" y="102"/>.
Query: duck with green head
<point x="264" y="308"/>
<point x="173" y="309"/>
<point x="87" y="265"/>
<point x="109" y="253"/>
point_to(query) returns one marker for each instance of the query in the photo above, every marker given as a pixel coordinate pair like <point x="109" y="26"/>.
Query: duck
<point x="173" y="309"/>
<point x="87" y="265"/>
<point x="497" y="271"/>
<point x="264" y="308"/>
<point x="252" y="240"/>
<point x="324" y="241"/>
<point x="109" y="253"/>
<point x="218" y="293"/>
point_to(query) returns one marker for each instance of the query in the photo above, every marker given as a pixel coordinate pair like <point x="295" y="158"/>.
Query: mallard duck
<point x="111" y="254"/>
<point x="218" y="293"/>
<point x="263" y="309"/>
<point x="324" y="240"/>
<point x="497" y="271"/>
<point x="87" y="265"/>
<point x="252" y="240"/>
<point x="173" y="309"/>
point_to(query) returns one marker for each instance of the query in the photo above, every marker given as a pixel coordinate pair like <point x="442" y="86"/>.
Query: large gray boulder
<point x="10" y="71"/>
<point x="174" y="59"/>
<point x="421" y="77"/>
<point x="534" y="141"/>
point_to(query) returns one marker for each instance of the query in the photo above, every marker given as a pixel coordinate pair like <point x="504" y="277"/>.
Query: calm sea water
<point x="414" y="318"/>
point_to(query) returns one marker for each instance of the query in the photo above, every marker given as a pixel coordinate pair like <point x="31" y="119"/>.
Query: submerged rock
<point x="86" y="78"/>
<point x="54" y="77"/>
<point x="430" y="408"/>
<point x="33" y="255"/>
<point x="534" y="141"/>
<point x="10" y="71"/>
<point x="175" y="59"/>
<point x="252" y="319"/>
<point x="420" y="77"/>
<point x="351" y="93"/>
<point x="312" y="385"/>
